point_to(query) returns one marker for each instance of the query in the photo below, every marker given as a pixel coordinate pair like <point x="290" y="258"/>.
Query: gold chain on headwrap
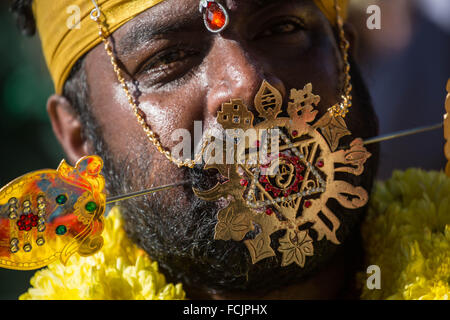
<point x="338" y="110"/>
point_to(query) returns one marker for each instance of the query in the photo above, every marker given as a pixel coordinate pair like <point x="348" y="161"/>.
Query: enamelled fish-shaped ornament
<point x="51" y="214"/>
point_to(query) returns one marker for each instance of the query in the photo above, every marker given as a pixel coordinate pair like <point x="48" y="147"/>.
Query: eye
<point x="285" y="27"/>
<point x="167" y="59"/>
<point x="173" y="64"/>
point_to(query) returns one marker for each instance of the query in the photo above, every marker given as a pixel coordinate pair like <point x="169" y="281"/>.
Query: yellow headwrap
<point x="63" y="46"/>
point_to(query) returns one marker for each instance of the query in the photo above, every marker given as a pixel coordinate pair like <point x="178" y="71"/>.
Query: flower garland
<point x="119" y="271"/>
<point x="407" y="234"/>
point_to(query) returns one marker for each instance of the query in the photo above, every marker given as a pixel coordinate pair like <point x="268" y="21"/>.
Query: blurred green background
<point x="27" y="142"/>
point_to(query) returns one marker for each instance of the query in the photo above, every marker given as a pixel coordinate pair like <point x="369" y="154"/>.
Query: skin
<point x="209" y="69"/>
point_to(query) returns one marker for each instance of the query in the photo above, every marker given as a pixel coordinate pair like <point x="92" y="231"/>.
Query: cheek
<point x="118" y="124"/>
<point x="126" y="138"/>
<point x="169" y="111"/>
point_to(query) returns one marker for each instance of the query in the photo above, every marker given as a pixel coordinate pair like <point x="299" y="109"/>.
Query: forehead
<point x="175" y="16"/>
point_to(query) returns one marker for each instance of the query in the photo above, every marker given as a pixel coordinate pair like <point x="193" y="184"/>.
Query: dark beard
<point x="181" y="237"/>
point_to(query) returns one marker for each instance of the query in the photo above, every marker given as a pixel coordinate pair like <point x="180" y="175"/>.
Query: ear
<point x="67" y="128"/>
<point x="352" y="36"/>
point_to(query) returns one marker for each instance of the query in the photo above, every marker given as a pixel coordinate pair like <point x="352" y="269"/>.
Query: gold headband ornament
<point x="48" y="215"/>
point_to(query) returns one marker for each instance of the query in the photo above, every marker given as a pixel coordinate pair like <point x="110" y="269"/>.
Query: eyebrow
<point x="143" y="32"/>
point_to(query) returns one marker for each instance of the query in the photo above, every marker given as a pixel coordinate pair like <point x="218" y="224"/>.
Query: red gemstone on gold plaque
<point x="27" y="221"/>
<point x="269" y="211"/>
<point x="215" y="16"/>
<point x="308" y="204"/>
<point x="320" y="164"/>
<point x="294" y="133"/>
<point x="244" y="182"/>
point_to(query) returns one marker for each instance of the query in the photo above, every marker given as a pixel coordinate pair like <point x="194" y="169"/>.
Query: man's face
<point x="181" y="73"/>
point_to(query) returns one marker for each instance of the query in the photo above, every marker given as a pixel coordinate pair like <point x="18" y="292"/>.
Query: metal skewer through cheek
<point x="403" y="133"/>
<point x="144" y="192"/>
<point x="373" y="140"/>
<point x="339" y="109"/>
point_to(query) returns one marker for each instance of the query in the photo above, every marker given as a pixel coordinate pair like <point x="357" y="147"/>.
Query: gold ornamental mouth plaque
<point x="287" y="190"/>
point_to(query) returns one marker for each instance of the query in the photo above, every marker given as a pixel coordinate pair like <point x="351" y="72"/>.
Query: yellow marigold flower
<point x="120" y="270"/>
<point x="407" y="234"/>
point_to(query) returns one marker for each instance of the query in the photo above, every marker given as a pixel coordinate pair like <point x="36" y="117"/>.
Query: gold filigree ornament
<point x="282" y="181"/>
<point x="49" y="215"/>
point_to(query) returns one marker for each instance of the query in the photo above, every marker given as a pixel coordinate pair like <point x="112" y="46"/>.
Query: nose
<point x="234" y="73"/>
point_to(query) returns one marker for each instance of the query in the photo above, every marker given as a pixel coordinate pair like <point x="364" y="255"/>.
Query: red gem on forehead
<point x="215" y="16"/>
